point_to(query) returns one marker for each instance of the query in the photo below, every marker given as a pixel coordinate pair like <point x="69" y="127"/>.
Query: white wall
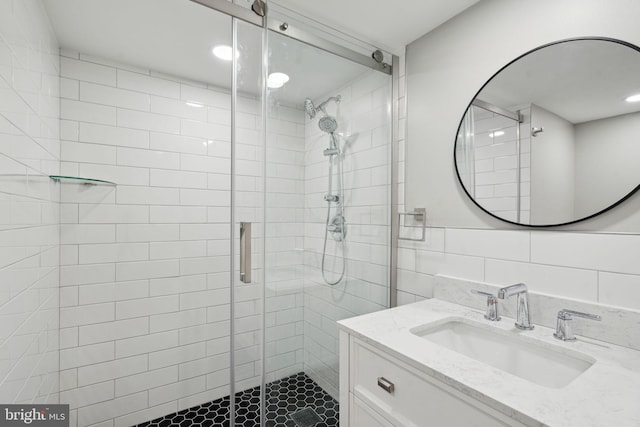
<point x="607" y="154"/>
<point x="441" y="83"/>
<point x="363" y="121"/>
<point x="552" y="168"/>
<point x="593" y="266"/>
<point x="29" y="201"/>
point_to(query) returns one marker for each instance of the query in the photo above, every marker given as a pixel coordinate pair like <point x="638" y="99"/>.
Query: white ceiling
<point x="579" y="81"/>
<point x="387" y="24"/>
<point x="176" y="37"/>
<point x="313" y="73"/>
<point x="171" y="36"/>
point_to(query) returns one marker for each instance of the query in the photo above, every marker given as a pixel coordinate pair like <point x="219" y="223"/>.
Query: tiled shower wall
<point x="285" y="233"/>
<point x="364" y="134"/>
<point x="29" y="201"/>
<point x="144" y="276"/>
<point x="496" y="163"/>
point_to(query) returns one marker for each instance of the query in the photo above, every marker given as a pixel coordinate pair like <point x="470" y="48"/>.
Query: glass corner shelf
<point x="80" y="180"/>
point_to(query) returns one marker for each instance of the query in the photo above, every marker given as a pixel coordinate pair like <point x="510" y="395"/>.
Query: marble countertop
<point x="606" y="394"/>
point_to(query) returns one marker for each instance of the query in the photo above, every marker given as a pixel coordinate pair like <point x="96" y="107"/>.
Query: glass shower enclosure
<point x="180" y="229"/>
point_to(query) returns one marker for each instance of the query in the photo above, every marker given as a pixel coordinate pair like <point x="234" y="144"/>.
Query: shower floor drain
<point x="306" y="418"/>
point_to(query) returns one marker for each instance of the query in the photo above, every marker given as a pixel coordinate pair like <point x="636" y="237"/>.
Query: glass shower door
<point x="248" y="145"/>
<point x="154" y="323"/>
<point x="327" y="220"/>
<point x="210" y="275"/>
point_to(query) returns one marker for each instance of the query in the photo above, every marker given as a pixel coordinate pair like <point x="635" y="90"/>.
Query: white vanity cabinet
<point x="377" y="389"/>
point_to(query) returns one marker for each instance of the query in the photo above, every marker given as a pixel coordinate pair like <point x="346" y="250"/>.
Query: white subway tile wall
<point x="365" y="135"/>
<point x="145" y="282"/>
<point x="593" y="267"/>
<point x="285" y="235"/>
<point x="495" y="163"/>
<point x="29" y="204"/>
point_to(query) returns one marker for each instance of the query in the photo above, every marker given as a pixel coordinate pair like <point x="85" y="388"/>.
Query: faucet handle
<point x="564" y="331"/>
<point x="566" y="314"/>
<point x="492" y="305"/>
<point x="478" y="292"/>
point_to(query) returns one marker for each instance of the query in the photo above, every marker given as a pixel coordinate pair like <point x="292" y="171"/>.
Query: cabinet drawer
<point x="364" y="416"/>
<point x="408" y="398"/>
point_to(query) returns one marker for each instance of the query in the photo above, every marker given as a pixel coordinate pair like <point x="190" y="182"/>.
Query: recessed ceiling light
<point x="223" y="52"/>
<point x="496" y="134"/>
<point x="633" y="98"/>
<point x="277" y="80"/>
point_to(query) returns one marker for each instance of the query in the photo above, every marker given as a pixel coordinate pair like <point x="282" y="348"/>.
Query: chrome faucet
<point x="564" y="331"/>
<point x="523" y="320"/>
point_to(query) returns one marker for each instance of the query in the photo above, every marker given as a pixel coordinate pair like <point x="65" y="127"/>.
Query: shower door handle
<point x="245" y="252"/>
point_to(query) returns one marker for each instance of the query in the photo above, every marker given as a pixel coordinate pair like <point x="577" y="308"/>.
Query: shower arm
<point x="337" y="99"/>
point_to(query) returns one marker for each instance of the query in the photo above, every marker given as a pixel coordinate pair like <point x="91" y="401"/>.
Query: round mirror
<point x="554" y="137"/>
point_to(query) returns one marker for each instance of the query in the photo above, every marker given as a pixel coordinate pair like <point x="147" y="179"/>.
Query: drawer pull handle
<point x="386" y="385"/>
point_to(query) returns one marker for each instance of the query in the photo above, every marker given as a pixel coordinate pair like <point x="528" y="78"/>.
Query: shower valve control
<point x="332" y="198"/>
<point x="337" y="227"/>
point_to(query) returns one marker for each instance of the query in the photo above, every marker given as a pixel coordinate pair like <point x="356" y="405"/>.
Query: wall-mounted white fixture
<point x="223" y="52"/>
<point x="535" y="131"/>
<point x="633" y="98"/>
<point x="419" y="217"/>
<point x="277" y="80"/>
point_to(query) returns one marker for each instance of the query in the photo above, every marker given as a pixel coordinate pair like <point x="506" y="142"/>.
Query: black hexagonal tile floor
<point x="285" y="398"/>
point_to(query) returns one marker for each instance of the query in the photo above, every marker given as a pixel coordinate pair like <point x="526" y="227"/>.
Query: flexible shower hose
<point x="340" y="213"/>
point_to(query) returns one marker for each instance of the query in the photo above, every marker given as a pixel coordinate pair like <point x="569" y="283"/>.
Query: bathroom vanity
<point x="437" y="363"/>
<point x="384" y="391"/>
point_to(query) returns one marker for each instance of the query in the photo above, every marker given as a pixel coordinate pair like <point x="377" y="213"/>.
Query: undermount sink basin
<point x="507" y="351"/>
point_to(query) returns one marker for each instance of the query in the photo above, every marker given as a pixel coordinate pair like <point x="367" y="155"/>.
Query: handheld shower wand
<point x="336" y="224"/>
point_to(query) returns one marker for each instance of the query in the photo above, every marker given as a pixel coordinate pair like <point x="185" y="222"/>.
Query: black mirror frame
<point x="455" y="162"/>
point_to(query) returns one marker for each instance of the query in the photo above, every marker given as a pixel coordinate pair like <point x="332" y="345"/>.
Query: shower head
<point x="328" y="124"/>
<point x="309" y="108"/>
